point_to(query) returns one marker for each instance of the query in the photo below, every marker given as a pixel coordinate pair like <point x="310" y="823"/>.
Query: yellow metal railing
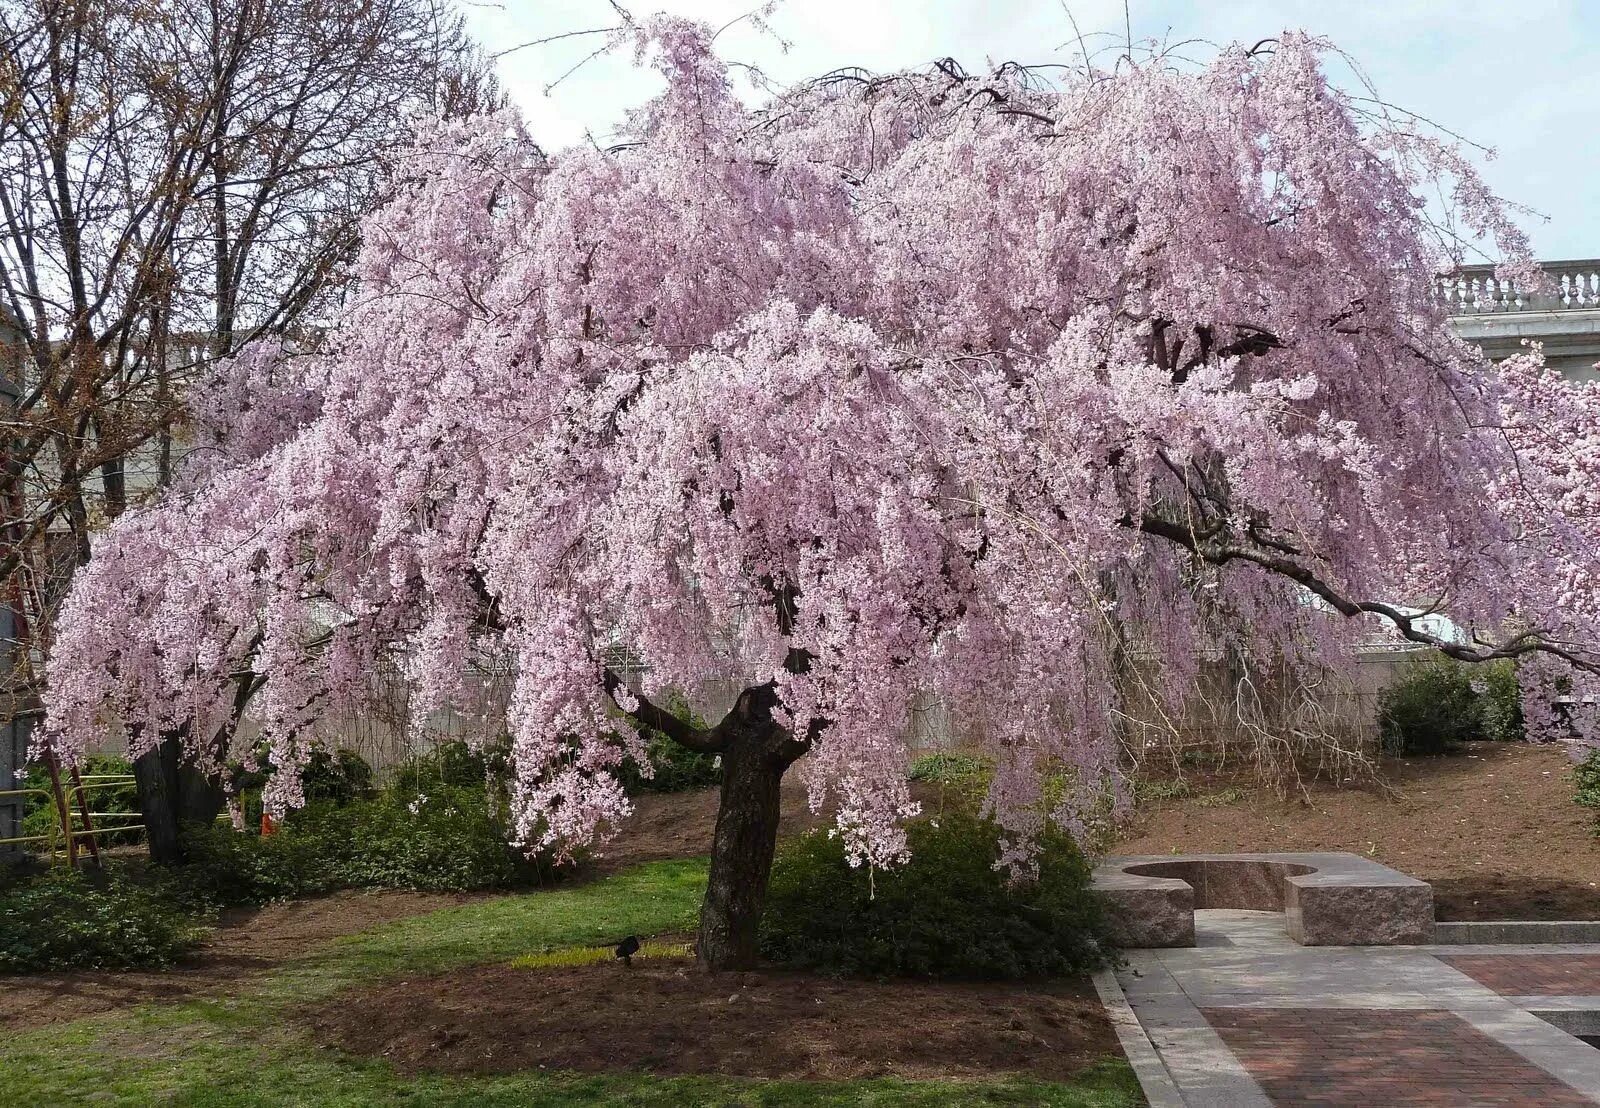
<point x="72" y="809"/>
<point x="122" y="821"/>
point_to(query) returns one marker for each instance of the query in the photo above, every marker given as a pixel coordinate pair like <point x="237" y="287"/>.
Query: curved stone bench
<point x="1331" y="899"/>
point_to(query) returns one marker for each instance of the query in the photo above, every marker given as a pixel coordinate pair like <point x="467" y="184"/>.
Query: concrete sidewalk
<point x="1248" y="1017"/>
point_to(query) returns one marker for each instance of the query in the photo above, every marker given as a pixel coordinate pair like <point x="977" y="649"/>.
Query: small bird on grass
<point x="627" y="948"/>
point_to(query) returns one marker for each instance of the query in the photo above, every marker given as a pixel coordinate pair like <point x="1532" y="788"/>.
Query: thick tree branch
<point x="1220" y="553"/>
<point x="656" y="718"/>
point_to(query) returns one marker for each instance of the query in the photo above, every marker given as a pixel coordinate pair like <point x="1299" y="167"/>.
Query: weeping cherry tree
<point x="899" y="389"/>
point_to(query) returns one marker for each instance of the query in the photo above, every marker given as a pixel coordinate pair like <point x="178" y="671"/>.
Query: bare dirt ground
<point x="667" y="1018"/>
<point x="248" y="942"/>
<point x="1494" y="829"/>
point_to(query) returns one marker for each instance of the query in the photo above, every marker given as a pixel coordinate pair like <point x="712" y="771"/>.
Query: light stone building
<point x="1500" y="317"/>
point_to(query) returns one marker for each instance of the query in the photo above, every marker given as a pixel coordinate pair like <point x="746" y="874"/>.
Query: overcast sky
<point x="1517" y="75"/>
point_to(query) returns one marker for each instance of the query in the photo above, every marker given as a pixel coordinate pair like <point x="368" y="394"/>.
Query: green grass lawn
<point x="246" y="1049"/>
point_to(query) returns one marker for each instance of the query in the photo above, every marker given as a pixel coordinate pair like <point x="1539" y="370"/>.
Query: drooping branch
<point x="1274" y="560"/>
<point x="1250" y="341"/>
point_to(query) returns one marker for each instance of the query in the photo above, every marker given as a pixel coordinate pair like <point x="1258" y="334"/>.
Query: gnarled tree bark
<point x="756" y="751"/>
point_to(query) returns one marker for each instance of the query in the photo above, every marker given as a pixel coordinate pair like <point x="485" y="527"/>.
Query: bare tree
<point x="177" y="180"/>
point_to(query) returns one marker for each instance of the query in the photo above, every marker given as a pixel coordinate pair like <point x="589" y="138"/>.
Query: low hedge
<point x="1436" y="704"/>
<point x="444" y="840"/>
<point x="64" y="919"/>
<point x="948" y="912"/>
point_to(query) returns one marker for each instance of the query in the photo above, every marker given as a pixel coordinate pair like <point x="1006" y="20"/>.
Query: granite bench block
<point x="1328" y="899"/>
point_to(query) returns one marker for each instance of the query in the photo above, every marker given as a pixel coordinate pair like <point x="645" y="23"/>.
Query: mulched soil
<point x="667" y="1017"/>
<point x="247" y="942"/>
<point x="1494" y="829"/>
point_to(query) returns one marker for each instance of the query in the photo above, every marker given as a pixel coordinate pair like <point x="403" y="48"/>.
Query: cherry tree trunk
<point x="172" y="792"/>
<point x="742" y="850"/>
<point x="155" y="774"/>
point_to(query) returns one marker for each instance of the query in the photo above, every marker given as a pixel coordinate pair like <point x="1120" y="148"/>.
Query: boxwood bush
<point x="1436" y="704"/>
<point x="948" y="912"/>
<point x="1501" y="699"/>
<point x="225" y="868"/>
<point x="1586" y="778"/>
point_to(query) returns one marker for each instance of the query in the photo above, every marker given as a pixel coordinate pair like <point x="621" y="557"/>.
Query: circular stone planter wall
<point x="1330" y="899"/>
<point x="1257" y="885"/>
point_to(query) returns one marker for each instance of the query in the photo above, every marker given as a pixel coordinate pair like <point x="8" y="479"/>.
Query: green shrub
<point x="225" y="868"/>
<point x="1231" y="795"/>
<point x="446" y="839"/>
<point x="1169" y="788"/>
<point x="454" y="765"/>
<point x="64" y="919"/>
<point x="1586" y="775"/>
<point x="1436" y="704"/>
<point x="340" y="776"/>
<point x="677" y="769"/>
<point x="960" y="771"/>
<point x="948" y="912"/>
<point x="1502" y="701"/>
<point x="17" y="866"/>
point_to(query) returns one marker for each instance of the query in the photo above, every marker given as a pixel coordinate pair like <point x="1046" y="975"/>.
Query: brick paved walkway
<point x="1367" y="1056"/>
<point x="1247" y="1018"/>
<point x="1532" y="974"/>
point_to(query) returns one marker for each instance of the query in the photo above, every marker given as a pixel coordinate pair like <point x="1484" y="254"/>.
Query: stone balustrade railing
<point x="1475" y="290"/>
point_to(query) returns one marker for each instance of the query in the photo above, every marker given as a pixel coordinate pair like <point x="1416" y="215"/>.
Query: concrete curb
<point x="1576" y="1015"/>
<point x="1159" y="1088"/>
<point x="1498" y="932"/>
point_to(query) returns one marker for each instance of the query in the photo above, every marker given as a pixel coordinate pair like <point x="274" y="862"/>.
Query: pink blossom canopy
<point x="960" y="388"/>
